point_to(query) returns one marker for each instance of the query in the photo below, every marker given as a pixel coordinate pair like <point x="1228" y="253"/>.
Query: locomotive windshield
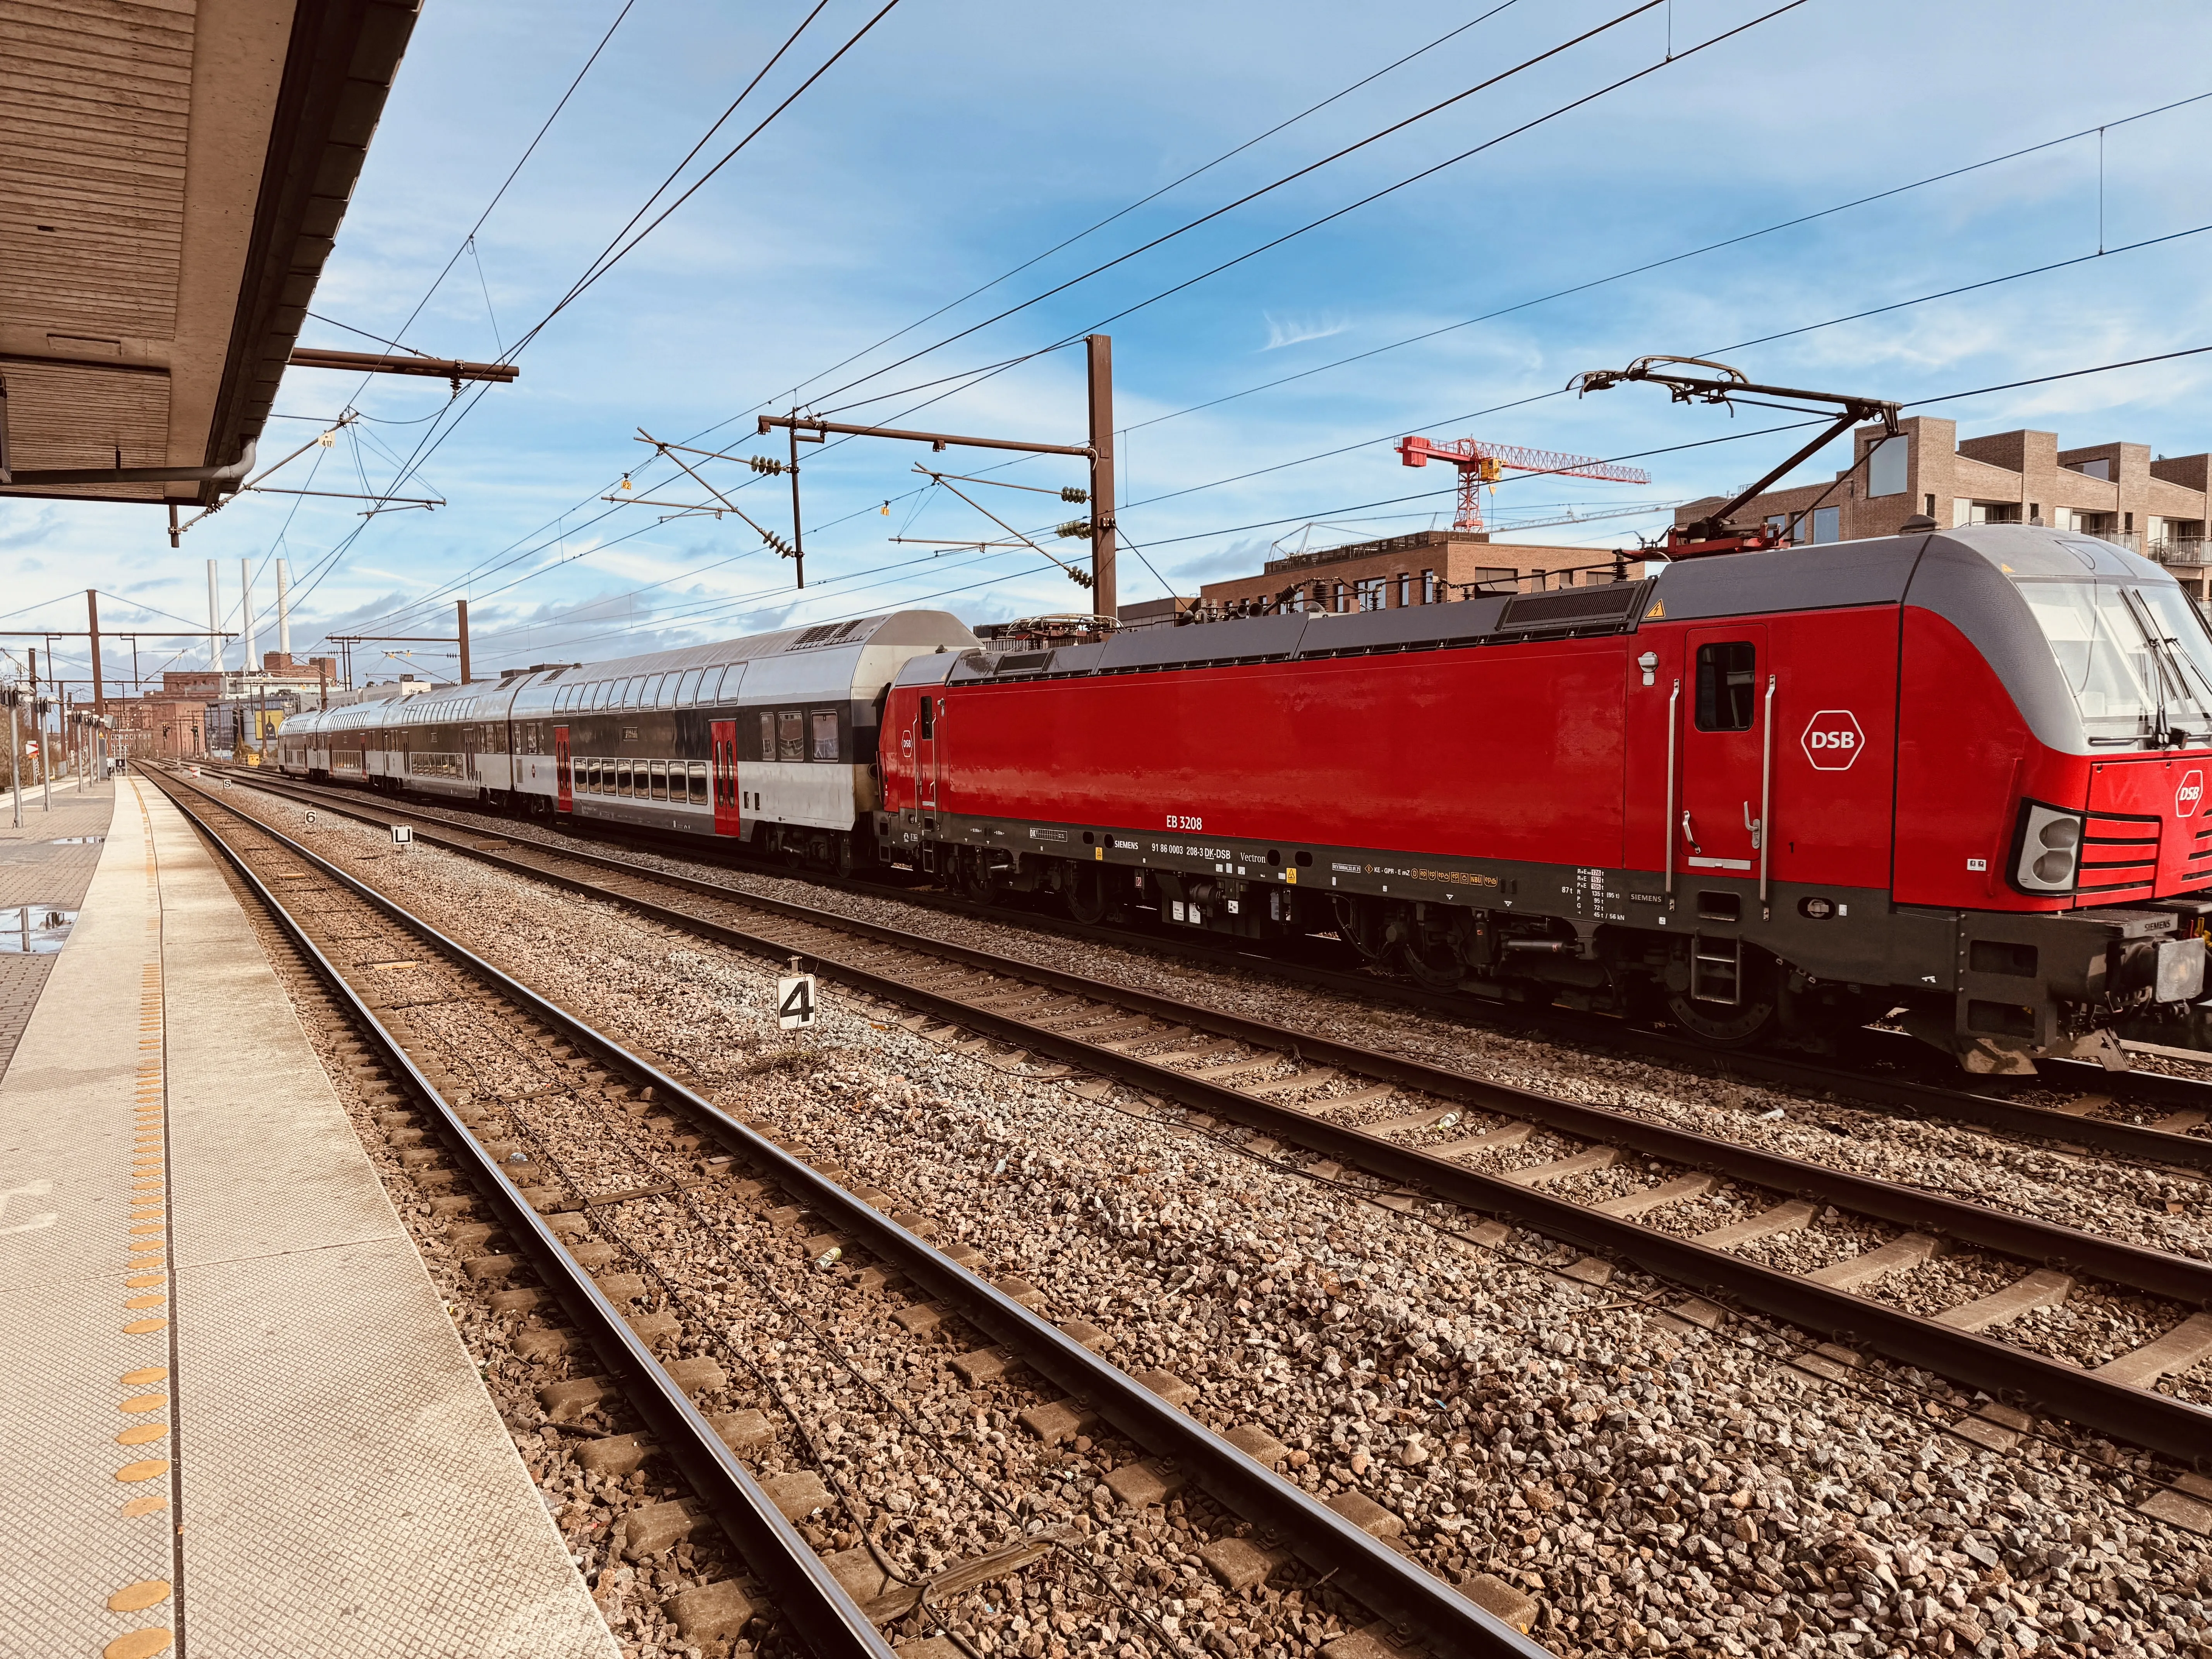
<point x="2137" y="660"/>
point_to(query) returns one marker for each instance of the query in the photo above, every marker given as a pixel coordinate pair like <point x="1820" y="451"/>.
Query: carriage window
<point x="767" y="735"/>
<point x="600" y="693"/>
<point x="687" y="693"/>
<point x="790" y="735"/>
<point x="926" y="727"/>
<point x="699" y="783"/>
<point x="720" y="683"/>
<point x="1726" y="679"/>
<point x="623" y="777"/>
<point x="825" y="734"/>
<point x="660" y="780"/>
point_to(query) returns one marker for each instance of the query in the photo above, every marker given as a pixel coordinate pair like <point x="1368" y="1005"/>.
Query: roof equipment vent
<point x="1574" y="610"/>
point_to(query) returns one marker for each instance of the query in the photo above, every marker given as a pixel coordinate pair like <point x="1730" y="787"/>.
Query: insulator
<point x="765" y="464"/>
<point x="1069" y="493"/>
<point x="1073" y="528"/>
<point x="1080" y="578"/>
<point x="778" y="543"/>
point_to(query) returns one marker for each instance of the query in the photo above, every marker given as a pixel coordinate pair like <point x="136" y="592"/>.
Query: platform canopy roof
<point x="172" y="174"/>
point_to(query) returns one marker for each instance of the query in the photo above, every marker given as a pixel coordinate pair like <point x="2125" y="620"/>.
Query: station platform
<point x="45" y="867"/>
<point x="239" y="1420"/>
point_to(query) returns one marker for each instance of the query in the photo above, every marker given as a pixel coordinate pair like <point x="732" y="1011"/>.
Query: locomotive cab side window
<point x="1727" y="678"/>
<point x="926" y="727"/>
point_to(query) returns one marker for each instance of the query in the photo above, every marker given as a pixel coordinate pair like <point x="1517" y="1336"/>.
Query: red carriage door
<point x="1728" y="700"/>
<point x="728" y="820"/>
<point x="927" y="712"/>
<point x="564" y="794"/>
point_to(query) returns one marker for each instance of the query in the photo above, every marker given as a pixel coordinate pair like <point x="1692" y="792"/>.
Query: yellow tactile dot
<point x="138" y="1644"/>
<point x="139" y="1433"/>
<point x="145" y="1376"/>
<point x="138" y="1506"/>
<point x="140" y="1326"/>
<point x="147" y="1470"/>
<point x="143" y="1402"/>
<point x="133" y="1598"/>
<point x="149" y="1299"/>
<point x="140" y="1281"/>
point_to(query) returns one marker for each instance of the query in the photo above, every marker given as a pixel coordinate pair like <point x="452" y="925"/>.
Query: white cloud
<point x="1297" y="330"/>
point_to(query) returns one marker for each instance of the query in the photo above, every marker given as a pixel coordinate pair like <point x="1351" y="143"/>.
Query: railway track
<point x="2150" y="1117"/>
<point x="589" y="1213"/>
<point x="1408" y="1126"/>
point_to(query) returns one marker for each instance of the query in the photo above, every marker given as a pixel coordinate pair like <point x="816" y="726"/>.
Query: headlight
<point x="2049" y="853"/>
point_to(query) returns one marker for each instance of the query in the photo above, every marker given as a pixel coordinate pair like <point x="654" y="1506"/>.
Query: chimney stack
<point x="214" y="623"/>
<point x="245" y="611"/>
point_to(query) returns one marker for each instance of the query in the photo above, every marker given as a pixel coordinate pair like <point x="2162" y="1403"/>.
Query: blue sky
<point x="956" y="141"/>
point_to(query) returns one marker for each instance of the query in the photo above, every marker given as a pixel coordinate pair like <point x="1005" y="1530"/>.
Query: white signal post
<point x="795" y="1000"/>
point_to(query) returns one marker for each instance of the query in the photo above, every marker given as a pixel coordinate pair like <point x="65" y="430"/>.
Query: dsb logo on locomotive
<point x="1833" y="739"/>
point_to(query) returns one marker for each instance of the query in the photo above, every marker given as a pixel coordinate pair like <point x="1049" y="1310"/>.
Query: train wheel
<point x="1086" y="894"/>
<point x="1433" y="965"/>
<point x="844" y="862"/>
<point x="976" y="879"/>
<point x="1753" y="1017"/>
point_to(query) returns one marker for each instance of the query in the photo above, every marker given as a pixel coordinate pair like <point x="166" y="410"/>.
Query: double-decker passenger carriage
<point x="769" y="741"/>
<point x="1780" y="791"/>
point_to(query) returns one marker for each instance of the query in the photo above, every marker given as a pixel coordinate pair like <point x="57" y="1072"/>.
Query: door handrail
<point x="1766" y="801"/>
<point x="1673" y="732"/>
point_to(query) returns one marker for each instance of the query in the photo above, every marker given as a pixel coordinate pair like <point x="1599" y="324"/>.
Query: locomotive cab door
<point x="564" y="794"/>
<point x="928" y="710"/>
<point x="1727" y="702"/>
<point x="728" y="819"/>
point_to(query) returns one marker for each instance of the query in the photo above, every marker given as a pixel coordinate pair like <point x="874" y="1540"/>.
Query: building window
<point x="2099" y="468"/>
<point x="1339" y="603"/>
<point x="1428" y="587"/>
<point x="1727" y="683"/>
<point x="1779" y="524"/>
<point x="1886" y="465"/>
<point x="1405" y="589"/>
<point x="1827" y="524"/>
<point x="1929" y="509"/>
<point x="1367" y="594"/>
<point x="825" y="734"/>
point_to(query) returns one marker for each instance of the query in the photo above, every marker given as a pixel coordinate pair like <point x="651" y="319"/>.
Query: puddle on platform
<point x="34" y="930"/>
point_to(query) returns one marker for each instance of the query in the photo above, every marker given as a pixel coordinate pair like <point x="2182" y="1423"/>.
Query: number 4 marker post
<point x="794" y="999"/>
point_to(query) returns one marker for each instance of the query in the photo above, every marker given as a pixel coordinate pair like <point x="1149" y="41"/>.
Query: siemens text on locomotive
<point x="1956" y="777"/>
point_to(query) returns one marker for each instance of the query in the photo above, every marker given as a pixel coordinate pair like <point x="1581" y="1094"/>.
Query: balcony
<point x="2177" y="549"/>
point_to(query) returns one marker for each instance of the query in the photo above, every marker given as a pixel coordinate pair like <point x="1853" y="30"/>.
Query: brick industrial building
<point x="2153" y="505"/>
<point x="1429" y="566"/>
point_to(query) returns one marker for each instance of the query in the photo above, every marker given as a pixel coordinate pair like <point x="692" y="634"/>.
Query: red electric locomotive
<point x="1777" y="793"/>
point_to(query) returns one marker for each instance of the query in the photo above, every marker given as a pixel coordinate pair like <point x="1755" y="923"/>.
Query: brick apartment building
<point x="1429" y="566"/>
<point x="2152" y="505"/>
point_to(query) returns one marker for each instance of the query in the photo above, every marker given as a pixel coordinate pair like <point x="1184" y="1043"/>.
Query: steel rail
<point x="2140" y="1417"/>
<point x="1910" y="1099"/>
<point x="802" y="1587"/>
<point x="1362" y="1565"/>
<point x="2156" y="1272"/>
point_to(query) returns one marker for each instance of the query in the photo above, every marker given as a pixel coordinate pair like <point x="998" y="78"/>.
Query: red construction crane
<point x="1480" y="464"/>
